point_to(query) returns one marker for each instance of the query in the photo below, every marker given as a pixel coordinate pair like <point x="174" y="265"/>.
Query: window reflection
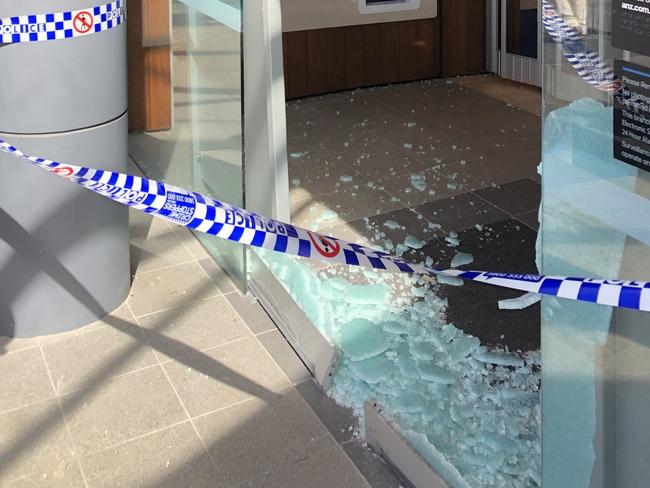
<point x="521" y="34"/>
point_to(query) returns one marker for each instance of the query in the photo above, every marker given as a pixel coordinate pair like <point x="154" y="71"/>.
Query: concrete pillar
<point x="64" y="251"/>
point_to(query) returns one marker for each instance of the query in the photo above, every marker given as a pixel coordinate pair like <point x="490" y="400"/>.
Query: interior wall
<point x="298" y="15"/>
<point x="318" y="61"/>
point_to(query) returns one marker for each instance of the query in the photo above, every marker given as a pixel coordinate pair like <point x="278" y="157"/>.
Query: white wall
<point x="319" y="14"/>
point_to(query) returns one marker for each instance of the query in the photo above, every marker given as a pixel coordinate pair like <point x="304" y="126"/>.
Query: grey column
<point x="64" y="252"/>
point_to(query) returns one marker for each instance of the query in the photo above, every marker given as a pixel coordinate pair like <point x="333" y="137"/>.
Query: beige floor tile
<point x="254" y="438"/>
<point x="167" y="288"/>
<point x="68" y="476"/>
<point x="196" y="327"/>
<point x="250" y="310"/>
<point x="144" y="225"/>
<point x="121" y="314"/>
<point x="191" y="243"/>
<point x="13" y="344"/>
<point x="116" y="410"/>
<point x="157" y="251"/>
<point x="172" y="458"/>
<point x="35" y="448"/>
<point x="326" y="469"/>
<point x="220" y="377"/>
<point x="103" y="353"/>
<point x="23" y="379"/>
<point x="217" y="275"/>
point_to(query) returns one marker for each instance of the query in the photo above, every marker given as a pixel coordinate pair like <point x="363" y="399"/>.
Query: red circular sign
<point x="83" y="22"/>
<point x="326" y="246"/>
<point x="63" y="171"/>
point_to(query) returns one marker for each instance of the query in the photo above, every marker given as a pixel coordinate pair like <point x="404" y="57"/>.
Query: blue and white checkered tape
<point x="62" y="25"/>
<point x="205" y="214"/>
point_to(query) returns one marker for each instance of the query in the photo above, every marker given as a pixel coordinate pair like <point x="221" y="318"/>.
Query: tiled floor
<point x="188" y="383"/>
<point x="438" y="157"/>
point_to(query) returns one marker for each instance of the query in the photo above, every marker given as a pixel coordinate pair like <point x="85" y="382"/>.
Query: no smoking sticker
<point x="325" y="246"/>
<point x="83" y="22"/>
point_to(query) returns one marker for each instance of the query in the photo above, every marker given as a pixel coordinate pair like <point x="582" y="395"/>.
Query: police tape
<point x="62" y="25"/>
<point x="587" y="63"/>
<point x="205" y="214"/>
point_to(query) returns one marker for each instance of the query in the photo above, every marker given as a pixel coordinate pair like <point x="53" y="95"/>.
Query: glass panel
<point x="215" y="97"/>
<point x="204" y="149"/>
<point x="595" y="359"/>
<point x="401" y="169"/>
<point x="521" y="27"/>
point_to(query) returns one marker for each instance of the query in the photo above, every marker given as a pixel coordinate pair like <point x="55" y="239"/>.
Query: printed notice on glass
<point x="632" y="122"/>
<point x="631" y="25"/>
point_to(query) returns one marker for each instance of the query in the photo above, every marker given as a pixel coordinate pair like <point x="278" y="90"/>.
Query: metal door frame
<point x="266" y="177"/>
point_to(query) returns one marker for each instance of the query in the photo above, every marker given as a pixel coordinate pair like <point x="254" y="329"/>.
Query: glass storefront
<point x="595" y="380"/>
<point x="470" y="406"/>
<point x="204" y="149"/>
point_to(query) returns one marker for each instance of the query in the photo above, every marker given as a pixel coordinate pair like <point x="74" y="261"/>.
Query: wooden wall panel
<point x="427" y="53"/>
<point x="149" y="64"/>
<point x="463" y="36"/>
<point x="294" y="47"/>
<point x="355" y="62"/>
<point x="389" y="49"/>
<point x="328" y="60"/>
<point x="336" y="52"/>
<point x="372" y="56"/>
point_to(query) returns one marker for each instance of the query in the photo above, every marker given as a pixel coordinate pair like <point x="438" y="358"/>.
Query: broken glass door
<point x="596" y="201"/>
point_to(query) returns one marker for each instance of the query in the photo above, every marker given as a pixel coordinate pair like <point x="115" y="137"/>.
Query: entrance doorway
<point x="516" y="40"/>
<point x="441" y="171"/>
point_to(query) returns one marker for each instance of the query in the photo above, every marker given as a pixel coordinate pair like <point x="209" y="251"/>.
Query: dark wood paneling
<point x="462" y="38"/>
<point x="427" y="58"/>
<point x="336" y="52"/>
<point x="295" y="61"/>
<point x="389" y="49"/>
<point x="356" y="65"/>
<point x="327" y="60"/>
<point x="373" y="56"/>
<point x="316" y="62"/>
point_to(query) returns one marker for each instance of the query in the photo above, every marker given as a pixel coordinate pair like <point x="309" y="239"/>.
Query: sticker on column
<point x="83" y="22"/>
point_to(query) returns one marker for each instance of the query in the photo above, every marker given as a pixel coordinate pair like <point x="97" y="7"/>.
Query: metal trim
<point x="320" y="357"/>
<point x="384" y="438"/>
